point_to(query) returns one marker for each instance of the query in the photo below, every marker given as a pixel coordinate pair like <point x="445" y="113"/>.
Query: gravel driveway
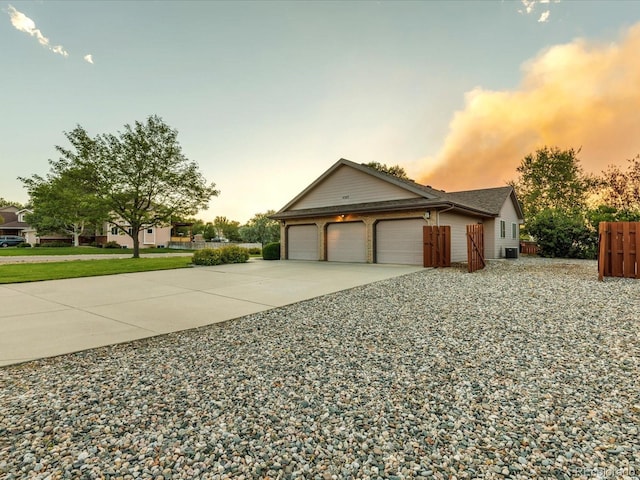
<point x="528" y="369"/>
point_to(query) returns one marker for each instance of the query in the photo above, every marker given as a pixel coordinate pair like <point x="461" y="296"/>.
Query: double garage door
<point x="396" y="241"/>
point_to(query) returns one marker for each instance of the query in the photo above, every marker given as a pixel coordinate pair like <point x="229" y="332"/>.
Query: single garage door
<point x="302" y="242"/>
<point x="346" y="242"/>
<point x="399" y="241"/>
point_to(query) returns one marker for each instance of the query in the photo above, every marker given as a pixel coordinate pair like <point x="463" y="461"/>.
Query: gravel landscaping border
<point x="526" y="369"/>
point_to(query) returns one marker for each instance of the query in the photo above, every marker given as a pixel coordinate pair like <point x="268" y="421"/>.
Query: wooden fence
<point x="436" y="246"/>
<point x="619" y="247"/>
<point x="528" y="248"/>
<point x="475" y="247"/>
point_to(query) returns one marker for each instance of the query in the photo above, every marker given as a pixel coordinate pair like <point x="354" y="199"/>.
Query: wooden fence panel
<point x="436" y="246"/>
<point x="619" y="249"/>
<point x="528" y="248"/>
<point x="475" y="247"/>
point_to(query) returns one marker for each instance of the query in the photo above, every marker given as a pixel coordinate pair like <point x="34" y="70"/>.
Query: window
<point x="514" y="231"/>
<point x="503" y="229"/>
<point x="114" y="230"/>
<point x="130" y="230"/>
<point x="149" y="230"/>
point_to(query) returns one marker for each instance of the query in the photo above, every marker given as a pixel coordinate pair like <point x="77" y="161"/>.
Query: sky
<point x="267" y="95"/>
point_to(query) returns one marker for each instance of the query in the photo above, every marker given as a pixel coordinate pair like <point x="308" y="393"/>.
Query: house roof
<point x="483" y="202"/>
<point x="10" y="216"/>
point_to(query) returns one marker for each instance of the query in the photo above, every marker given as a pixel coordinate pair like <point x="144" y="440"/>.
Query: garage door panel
<point x="346" y="242"/>
<point x="302" y="242"/>
<point x="400" y="241"/>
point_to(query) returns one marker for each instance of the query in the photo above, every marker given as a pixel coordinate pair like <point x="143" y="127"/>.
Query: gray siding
<point x="347" y="186"/>
<point x="509" y="215"/>
<point x="458" y="225"/>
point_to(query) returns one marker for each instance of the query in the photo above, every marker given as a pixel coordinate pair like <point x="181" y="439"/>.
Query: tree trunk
<point x="76" y="239"/>
<point x="135" y="235"/>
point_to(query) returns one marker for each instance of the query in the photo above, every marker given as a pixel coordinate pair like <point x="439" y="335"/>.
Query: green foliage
<point x="56" y="244"/>
<point x="9" y="203"/>
<point x="261" y="229"/>
<point x="62" y="204"/>
<point x="563" y="234"/>
<point x="395" y="170"/>
<point x="24" y="245"/>
<point x="271" y="251"/>
<point x="218" y="256"/>
<point x="140" y="175"/>
<point x="234" y="254"/>
<point x="112" y="244"/>
<point x="208" y="257"/>
<point x="552" y="179"/>
<point x="255" y="250"/>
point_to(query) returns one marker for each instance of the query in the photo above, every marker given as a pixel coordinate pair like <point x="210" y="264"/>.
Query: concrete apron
<point x="45" y="319"/>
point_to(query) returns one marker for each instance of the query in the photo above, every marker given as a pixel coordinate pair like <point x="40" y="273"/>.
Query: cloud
<point x="88" y="58"/>
<point x="24" y="24"/>
<point x="529" y="6"/>
<point x="579" y="94"/>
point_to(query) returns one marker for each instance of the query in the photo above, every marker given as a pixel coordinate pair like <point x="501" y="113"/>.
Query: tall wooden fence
<point x="436" y="246"/>
<point x="619" y="249"/>
<point x="475" y="247"/>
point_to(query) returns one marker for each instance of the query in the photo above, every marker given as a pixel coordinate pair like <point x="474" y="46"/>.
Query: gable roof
<point x="483" y="202"/>
<point x="490" y="200"/>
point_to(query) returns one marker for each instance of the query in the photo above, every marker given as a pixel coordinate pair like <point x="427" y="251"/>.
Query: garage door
<point x="346" y="242"/>
<point x="302" y="242"/>
<point x="399" y="241"/>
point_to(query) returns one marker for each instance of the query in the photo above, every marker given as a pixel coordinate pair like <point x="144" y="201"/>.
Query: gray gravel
<point x="528" y="369"/>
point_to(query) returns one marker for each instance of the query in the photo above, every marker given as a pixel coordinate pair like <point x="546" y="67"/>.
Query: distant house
<point x="354" y="213"/>
<point x="12" y="222"/>
<point x="151" y="236"/>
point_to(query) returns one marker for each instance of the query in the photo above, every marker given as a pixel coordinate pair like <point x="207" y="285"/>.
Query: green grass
<point x="34" y="272"/>
<point x="24" y="252"/>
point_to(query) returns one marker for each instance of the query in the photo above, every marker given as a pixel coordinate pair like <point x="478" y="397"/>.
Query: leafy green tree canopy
<point x="395" y="170"/>
<point x="260" y="228"/>
<point x="61" y="204"/>
<point x="9" y="203"/>
<point x="552" y="178"/>
<point x="140" y="174"/>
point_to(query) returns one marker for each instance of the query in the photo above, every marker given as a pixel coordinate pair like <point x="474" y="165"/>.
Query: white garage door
<point x="346" y="242"/>
<point x="302" y="242"/>
<point x="399" y="241"/>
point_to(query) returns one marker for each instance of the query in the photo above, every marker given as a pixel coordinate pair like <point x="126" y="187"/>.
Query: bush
<point x="562" y="234"/>
<point x="207" y="256"/>
<point x="271" y="251"/>
<point x="112" y="244"/>
<point x="234" y="254"/>
<point x="56" y="244"/>
<point x="255" y="251"/>
<point x="24" y="245"/>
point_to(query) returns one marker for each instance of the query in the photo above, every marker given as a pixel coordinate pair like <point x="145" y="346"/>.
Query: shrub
<point x="255" y="251"/>
<point x="112" y="244"/>
<point x="562" y="234"/>
<point x="56" y="244"/>
<point x="37" y="245"/>
<point x="271" y="251"/>
<point x="234" y="254"/>
<point x="207" y="256"/>
<point x="24" y="245"/>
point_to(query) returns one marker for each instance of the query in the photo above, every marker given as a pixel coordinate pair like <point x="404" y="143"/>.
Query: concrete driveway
<point x="45" y="319"/>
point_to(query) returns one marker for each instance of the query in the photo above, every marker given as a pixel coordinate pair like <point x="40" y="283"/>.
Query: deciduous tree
<point x="261" y="229"/>
<point x="395" y="170"/>
<point x="140" y="174"/>
<point x="61" y="204"/>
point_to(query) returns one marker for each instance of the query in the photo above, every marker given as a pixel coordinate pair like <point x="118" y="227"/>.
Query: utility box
<point x="511" y="252"/>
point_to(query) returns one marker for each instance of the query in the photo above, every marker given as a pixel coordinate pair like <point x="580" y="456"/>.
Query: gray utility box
<point x="511" y="252"/>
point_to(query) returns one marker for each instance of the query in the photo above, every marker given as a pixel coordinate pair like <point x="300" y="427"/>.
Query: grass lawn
<point x="23" y="252"/>
<point x="34" y="272"/>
